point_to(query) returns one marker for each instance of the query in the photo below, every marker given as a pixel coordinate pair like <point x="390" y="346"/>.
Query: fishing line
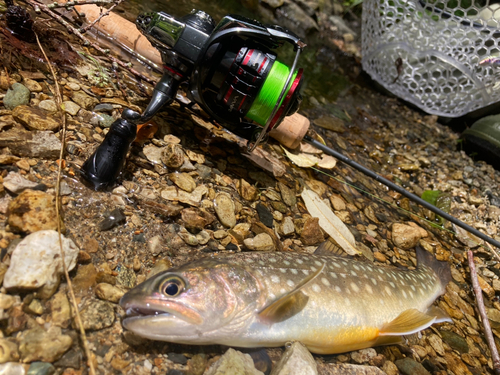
<point x="400" y="190"/>
<point x="264" y="103"/>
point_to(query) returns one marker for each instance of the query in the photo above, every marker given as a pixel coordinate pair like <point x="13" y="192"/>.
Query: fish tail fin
<point x="442" y="269"/>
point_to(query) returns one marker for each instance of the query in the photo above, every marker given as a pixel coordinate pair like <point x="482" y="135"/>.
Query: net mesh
<point x="442" y="56"/>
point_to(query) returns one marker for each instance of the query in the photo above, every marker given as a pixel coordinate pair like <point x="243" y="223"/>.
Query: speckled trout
<point x="331" y="304"/>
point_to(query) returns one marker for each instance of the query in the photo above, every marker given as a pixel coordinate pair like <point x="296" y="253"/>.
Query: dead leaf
<point x="266" y="161"/>
<point x="327" y="162"/>
<point x="301" y="160"/>
<point x="329" y="222"/>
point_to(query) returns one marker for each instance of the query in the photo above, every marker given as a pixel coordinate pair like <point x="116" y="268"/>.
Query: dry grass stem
<point x="83" y="30"/>
<point x="58" y="213"/>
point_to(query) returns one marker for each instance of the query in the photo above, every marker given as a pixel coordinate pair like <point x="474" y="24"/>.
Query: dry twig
<point x="83" y="30"/>
<point x="58" y="213"/>
<point x="76" y="3"/>
<point x="44" y="8"/>
<point x="482" y="312"/>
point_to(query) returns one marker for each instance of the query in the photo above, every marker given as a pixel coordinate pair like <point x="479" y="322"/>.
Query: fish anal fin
<point x="290" y="303"/>
<point x="408" y="322"/>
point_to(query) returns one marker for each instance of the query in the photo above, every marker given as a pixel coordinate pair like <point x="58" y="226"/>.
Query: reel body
<point x="232" y="73"/>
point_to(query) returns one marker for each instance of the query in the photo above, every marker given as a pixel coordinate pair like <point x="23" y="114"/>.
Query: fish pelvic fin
<point x="289" y="304"/>
<point x="412" y="321"/>
<point x="442" y="269"/>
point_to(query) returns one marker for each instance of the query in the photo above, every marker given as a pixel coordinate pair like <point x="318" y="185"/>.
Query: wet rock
<point x="72" y="358"/>
<point x="12" y="368"/>
<point x="85" y="278"/>
<point x="172" y="156"/>
<point x="109" y="292"/>
<point x="152" y="153"/>
<point x="436" y="343"/>
<point x="485" y="287"/>
<point x="32" y="85"/>
<point x="60" y="310"/>
<point x="455" y="341"/>
<point x="408" y="366"/>
<point x="48" y="105"/>
<point x="233" y="363"/>
<point x="331" y="123"/>
<point x="265" y="216"/>
<point x="16" y="183"/>
<point x="36" y="144"/>
<point x="224" y="208"/>
<point x="8" y="351"/>
<point x="36" y="260"/>
<point x="347" y="369"/>
<point x="177" y="358"/>
<point x="35" y="118"/>
<point x="288" y="195"/>
<point x="405" y="236"/>
<point x="287" y="226"/>
<point x="36" y="344"/>
<point x="261" y="242"/>
<point x="467" y="238"/>
<point x="105" y="120"/>
<point x="184" y="181"/>
<point x="115" y="218"/>
<point x="71" y="107"/>
<point x="197" y="364"/>
<point x="32" y="211"/>
<point x="311" y="232"/>
<point x="188" y="238"/>
<point x="241" y="231"/>
<point x="84" y="100"/>
<point x="126" y="277"/>
<point x="247" y="191"/>
<point x="16" y="96"/>
<point x="296" y="360"/>
<point x="364" y="355"/>
<point x="154" y="245"/>
<point x="97" y="315"/>
<point x="41" y="368"/>
<point x="195" y="219"/>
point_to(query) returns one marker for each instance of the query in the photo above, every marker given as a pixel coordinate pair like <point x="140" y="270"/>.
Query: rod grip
<point x="291" y="131"/>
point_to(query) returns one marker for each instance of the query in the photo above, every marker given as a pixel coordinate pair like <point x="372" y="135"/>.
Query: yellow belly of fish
<point x="341" y="340"/>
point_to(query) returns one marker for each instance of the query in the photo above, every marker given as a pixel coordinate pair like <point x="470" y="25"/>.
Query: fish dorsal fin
<point x="408" y="322"/>
<point x="331" y="248"/>
<point x="289" y="304"/>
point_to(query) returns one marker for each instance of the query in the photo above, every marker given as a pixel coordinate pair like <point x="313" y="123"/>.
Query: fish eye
<point x="172" y="287"/>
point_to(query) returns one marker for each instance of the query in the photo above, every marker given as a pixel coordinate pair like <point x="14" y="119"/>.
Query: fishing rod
<point x="233" y="74"/>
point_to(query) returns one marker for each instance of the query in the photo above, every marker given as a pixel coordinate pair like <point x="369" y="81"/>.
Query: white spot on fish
<point x="286" y="262"/>
<point x="381" y="301"/>
<point x="333" y="274"/>
<point x="290" y="283"/>
<point x="343" y="275"/>
<point x="325" y="281"/>
<point x="374" y="281"/>
<point x="306" y="272"/>
<point x="314" y="269"/>
<point x="275" y="279"/>
<point x="316" y="288"/>
<point x="388" y="291"/>
<point x="404" y="294"/>
<point x="282" y="291"/>
<point x="381" y="270"/>
<point x="272" y="296"/>
<point x="344" y="263"/>
<point x="347" y="301"/>
<point x="336" y="264"/>
<point x="337" y="289"/>
<point x="294" y="271"/>
<point x="355" y="267"/>
<point x="261" y="263"/>
<point x="300" y="261"/>
<point x="369" y="288"/>
<point x="392" y="284"/>
<point x="354" y="273"/>
<point x="380" y="278"/>
<point x="272" y="260"/>
<point x="411" y="294"/>
<point x="354" y="287"/>
<point x="283" y="270"/>
<point x="318" y="263"/>
<point x="412" y="287"/>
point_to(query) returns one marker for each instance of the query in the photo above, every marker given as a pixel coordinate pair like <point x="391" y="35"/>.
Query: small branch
<point x="42" y="7"/>
<point x="83" y="30"/>
<point x="76" y="3"/>
<point x="482" y="312"/>
<point x="58" y="213"/>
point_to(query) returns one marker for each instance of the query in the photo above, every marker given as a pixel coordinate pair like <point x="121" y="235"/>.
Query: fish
<point x="329" y="303"/>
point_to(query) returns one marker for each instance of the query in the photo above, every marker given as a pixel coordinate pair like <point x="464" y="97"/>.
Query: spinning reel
<point x="231" y="71"/>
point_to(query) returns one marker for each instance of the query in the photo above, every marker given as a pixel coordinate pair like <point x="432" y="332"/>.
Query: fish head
<point x="192" y="304"/>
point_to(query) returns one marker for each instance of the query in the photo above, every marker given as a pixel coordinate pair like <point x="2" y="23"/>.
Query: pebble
<point x="12" y="368"/>
<point x="41" y="368"/>
<point x="296" y="360"/>
<point x="364" y="355"/>
<point x="34" y="144"/>
<point x="36" y="344"/>
<point x="73" y="86"/>
<point x="455" y="341"/>
<point x="247" y="191"/>
<point x="71" y="107"/>
<point x="97" y="315"/>
<point x="36" y="260"/>
<point x="154" y="245"/>
<point x="16" y="183"/>
<point x="104" y="107"/>
<point x="178" y="358"/>
<point x="126" y="277"/>
<point x="405" y="236"/>
<point x="288" y="195"/>
<point x="408" y="366"/>
<point x="16" y="96"/>
<point x="35" y="118"/>
<point x="32" y="85"/>
<point x="184" y="181"/>
<point x="109" y="292"/>
<point x="287" y="227"/>
<point x="436" y="343"/>
<point x="115" y="218"/>
<point x="32" y="211"/>
<point x="60" y="310"/>
<point x="485" y="287"/>
<point x="311" y="232"/>
<point x="152" y="153"/>
<point x="48" y="105"/>
<point x="172" y="155"/>
<point x="8" y="351"/>
<point x="265" y="216"/>
<point x="380" y="257"/>
<point x="241" y="231"/>
<point x="195" y="219"/>
<point x="105" y="120"/>
<point x="188" y="238"/>
<point x="233" y="363"/>
<point x="224" y="208"/>
<point x="84" y="100"/>
<point x="261" y="242"/>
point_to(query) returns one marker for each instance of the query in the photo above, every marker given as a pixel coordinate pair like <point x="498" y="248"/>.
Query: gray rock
<point x="408" y="366"/>
<point x="41" y="368"/>
<point x="16" y="183"/>
<point x="97" y="315"/>
<point x="347" y="369"/>
<point x="261" y="242"/>
<point x="17" y="95"/>
<point x="36" y="261"/>
<point x="105" y="120"/>
<point x="104" y="107"/>
<point x="363" y="355"/>
<point x="37" y="344"/>
<point x="455" y="341"/>
<point x="34" y="144"/>
<point x="233" y="363"/>
<point x="296" y="361"/>
<point x="12" y="368"/>
<point x="294" y="18"/>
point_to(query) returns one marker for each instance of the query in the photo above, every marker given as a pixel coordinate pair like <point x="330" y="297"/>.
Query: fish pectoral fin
<point x="289" y="304"/>
<point x="408" y="322"/>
